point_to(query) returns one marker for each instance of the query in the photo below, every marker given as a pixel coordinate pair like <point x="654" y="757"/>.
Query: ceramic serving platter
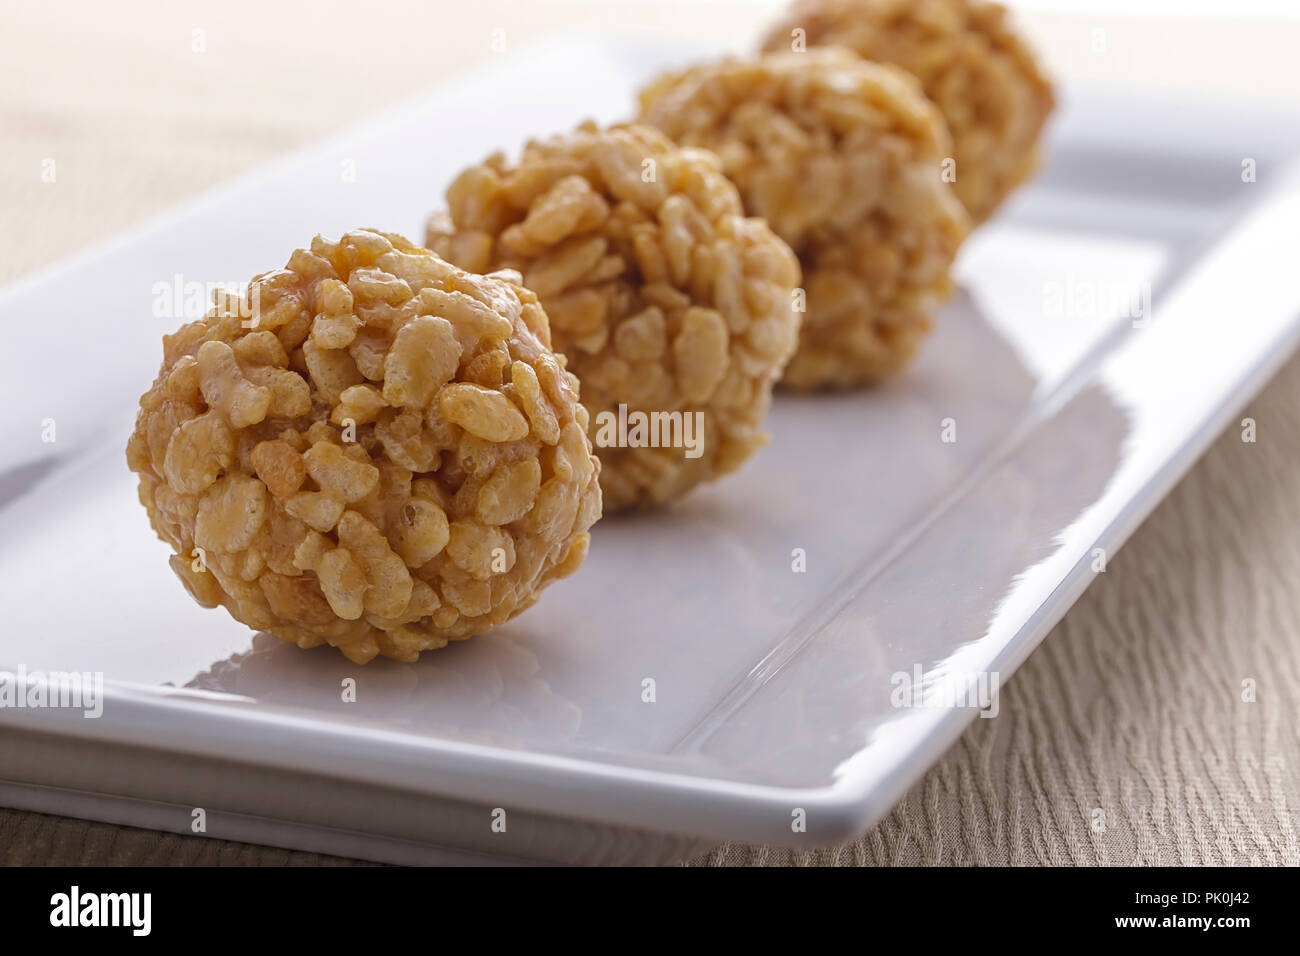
<point x="777" y="658"/>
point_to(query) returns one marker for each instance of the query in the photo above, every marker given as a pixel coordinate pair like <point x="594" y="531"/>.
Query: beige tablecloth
<point x="1132" y="705"/>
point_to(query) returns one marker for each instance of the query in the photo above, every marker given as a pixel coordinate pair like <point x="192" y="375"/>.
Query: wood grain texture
<point x="1132" y="705"/>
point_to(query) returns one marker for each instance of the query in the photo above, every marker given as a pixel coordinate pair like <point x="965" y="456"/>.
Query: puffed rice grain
<point x="663" y="297"/>
<point x="843" y="158"/>
<point x="391" y="458"/>
<point x="972" y="64"/>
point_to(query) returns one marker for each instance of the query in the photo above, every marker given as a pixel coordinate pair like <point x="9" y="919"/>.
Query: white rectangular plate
<point x="774" y="689"/>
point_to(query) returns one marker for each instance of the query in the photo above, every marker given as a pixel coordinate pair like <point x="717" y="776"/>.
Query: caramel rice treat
<point x="371" y="449"/>
<point x="843" y="158"/>
<point x="674" y="310"/>
<point x="972" y="65"/>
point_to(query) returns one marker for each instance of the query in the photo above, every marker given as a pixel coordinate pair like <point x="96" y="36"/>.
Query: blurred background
<point x="144" y="103"/>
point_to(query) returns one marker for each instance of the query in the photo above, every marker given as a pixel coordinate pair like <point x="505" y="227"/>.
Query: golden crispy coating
<point x="844" y="159"/>
<point x="372" y="449"/>
<point x="971" y="63"/>
<point x="665" y="299"/>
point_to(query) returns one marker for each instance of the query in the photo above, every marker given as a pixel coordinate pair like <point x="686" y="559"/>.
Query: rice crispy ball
<point x="970" y="61"/>
<point x="843" y="158"/>
<point x="371" y="449"/>
<point x="662" y="295"/>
